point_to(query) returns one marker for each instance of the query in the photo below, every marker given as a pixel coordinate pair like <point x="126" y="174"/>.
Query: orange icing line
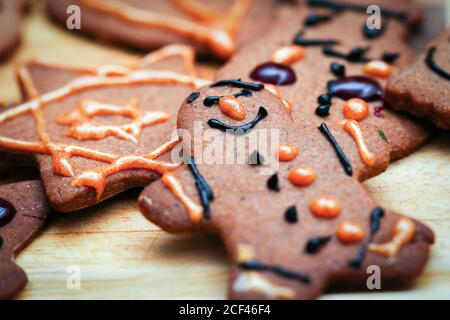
<point x="219" y="40"/>
<point x="195" y="211"/>
<point x="404" y="232"/>
<point x="61" y="154"/>
<point x="83" y="128"/>
<point x="353" y="128"/>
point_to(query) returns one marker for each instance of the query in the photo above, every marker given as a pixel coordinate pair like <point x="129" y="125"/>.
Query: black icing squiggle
<point x="204" y="190"/>
<point x="278" y="270"/>
<point x="341" y="155"/>
<point x="300" y="41"/>
<point x="429" y="60"/>
<point x="375" y="217"/>
<point x="239" y="84"/>
<point x="210" y="100"/>
<point x="217" y="124"/>
<point x="355" y="55"/>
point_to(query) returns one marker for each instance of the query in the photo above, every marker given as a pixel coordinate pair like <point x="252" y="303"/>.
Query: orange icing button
<point x="378" y="69"/>
<point x="356" y="109"/>
<point x="232" y="107"/>
<point x="195" y="211"/>
<point x="353" y="128"/>
<point x="301" y="177"/>
<point x="287" y="152"/>
<point x="348" y="232"/>
<point x="288" y="54"/>
<point x="404" y="231"/>
<point x="325" y="207"/>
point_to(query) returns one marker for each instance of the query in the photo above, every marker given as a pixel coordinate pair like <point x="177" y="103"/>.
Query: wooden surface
<point x="123" y="256"/>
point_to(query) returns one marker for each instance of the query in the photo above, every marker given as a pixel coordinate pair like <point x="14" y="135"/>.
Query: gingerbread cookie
<point x="217" y="27"/>
<point x="38" y="77"/>
<point x="308" y="224"/>
<point x="324" y="56"/>
<point x="99" y="134"/>
<point x="11" y="14"/>
<point x="423" y="89"/>
<point x="23" y="209"/>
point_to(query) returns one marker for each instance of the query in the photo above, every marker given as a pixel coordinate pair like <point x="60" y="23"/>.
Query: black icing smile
<point x="245" y="128"/>
<point x="429" y="60"/>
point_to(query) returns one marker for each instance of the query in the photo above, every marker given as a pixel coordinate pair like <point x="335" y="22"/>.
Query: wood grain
<point x="123" y="256"/>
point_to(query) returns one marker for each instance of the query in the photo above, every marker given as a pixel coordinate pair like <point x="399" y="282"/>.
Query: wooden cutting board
<point x="120" y="255"/>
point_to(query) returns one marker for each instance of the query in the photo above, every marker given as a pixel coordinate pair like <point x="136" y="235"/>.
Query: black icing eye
<point x="273" y="184"/>
<point x="291" y="215"/>
<point x="337" y="69"/>
<point x="315" y="244"/>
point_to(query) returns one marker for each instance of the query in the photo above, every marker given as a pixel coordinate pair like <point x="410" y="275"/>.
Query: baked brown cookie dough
<point x="100" y="134"/>
<point x="11" y="14"/>
<point x="217" y="27"/>
<point x="323" y="55"/>
<point x="307" y="224"/>
<point x="423" y="89"/>
<point x="23" y="209"/>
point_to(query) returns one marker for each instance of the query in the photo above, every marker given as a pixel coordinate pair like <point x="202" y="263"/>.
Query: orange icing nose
<point x="378" y="69"/>
<point x="356" y="109"/>
<point x="288" y="54"/>
<point x="348" y="232"/>
<point x="301" y="176"/>
<point x="287" y="152"/>
<point x="325" y="207"/>
<point x="232" y="107"/>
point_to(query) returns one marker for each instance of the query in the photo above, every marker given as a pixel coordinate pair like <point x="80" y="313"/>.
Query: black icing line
<point x="278" y="270"/>
<point x="315" y="244"/>
<point x="192" y="97"/>
<point x="204" y="190"/>
<point x="298" y="40"/>
<point x="217" y="124"/>
<point x="375" y="217"/>
<point x="239" y="84"/>
<point x="341" y="155"/>
<point x="314" y="19"/>
<point x="210" y="100"/>
<point x="429" y="60"/>
<point x="355" y="55"/>
<point x="342" y="6"/>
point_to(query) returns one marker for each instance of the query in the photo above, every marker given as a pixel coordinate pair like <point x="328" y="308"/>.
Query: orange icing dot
<point x="195" y="211"/>
<point x="356" y="109"/>
<point x="287" y="152"/>
<point x="404" y="231"/>
<point x="301" y="177"/>
<point x="232" y="107"/>
<point x="325" y="207"/>
<point x="288" y="54"/>
<point x="348" y="232"/>
<point x="353" y="128"/>
<point x="378" y="69"/>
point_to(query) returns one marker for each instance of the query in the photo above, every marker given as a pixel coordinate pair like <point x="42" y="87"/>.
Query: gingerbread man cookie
<point x="11" y="14"/>
<point x="300" y="228"/>
<point x="99" y="134"/>
<point x="217" y="27"/>
<point x="325" y="60"/>
<point x="423" y="89"/>
<point x="23" y="209"/>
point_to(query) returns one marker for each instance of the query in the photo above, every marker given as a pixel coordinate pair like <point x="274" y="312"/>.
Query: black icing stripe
<point x="375" y="217"/>
<point x="314" y="19"/>
<point x="204" y="190"/>
<point x="342" y="6"/>
<point x="341" y="155"/>
<point x="239" y="84"/>
<point x="192" y="97"/>
<point x="278" y="270"/>
<point x="300" y="41"/>
<point x="210" y="100"/>
<point x="315" y="244"/>
<point x="217" y="124"/>
<point x="355" y="55"/>
<point x="390" y="57"/>
<point x="429" y="60"/>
